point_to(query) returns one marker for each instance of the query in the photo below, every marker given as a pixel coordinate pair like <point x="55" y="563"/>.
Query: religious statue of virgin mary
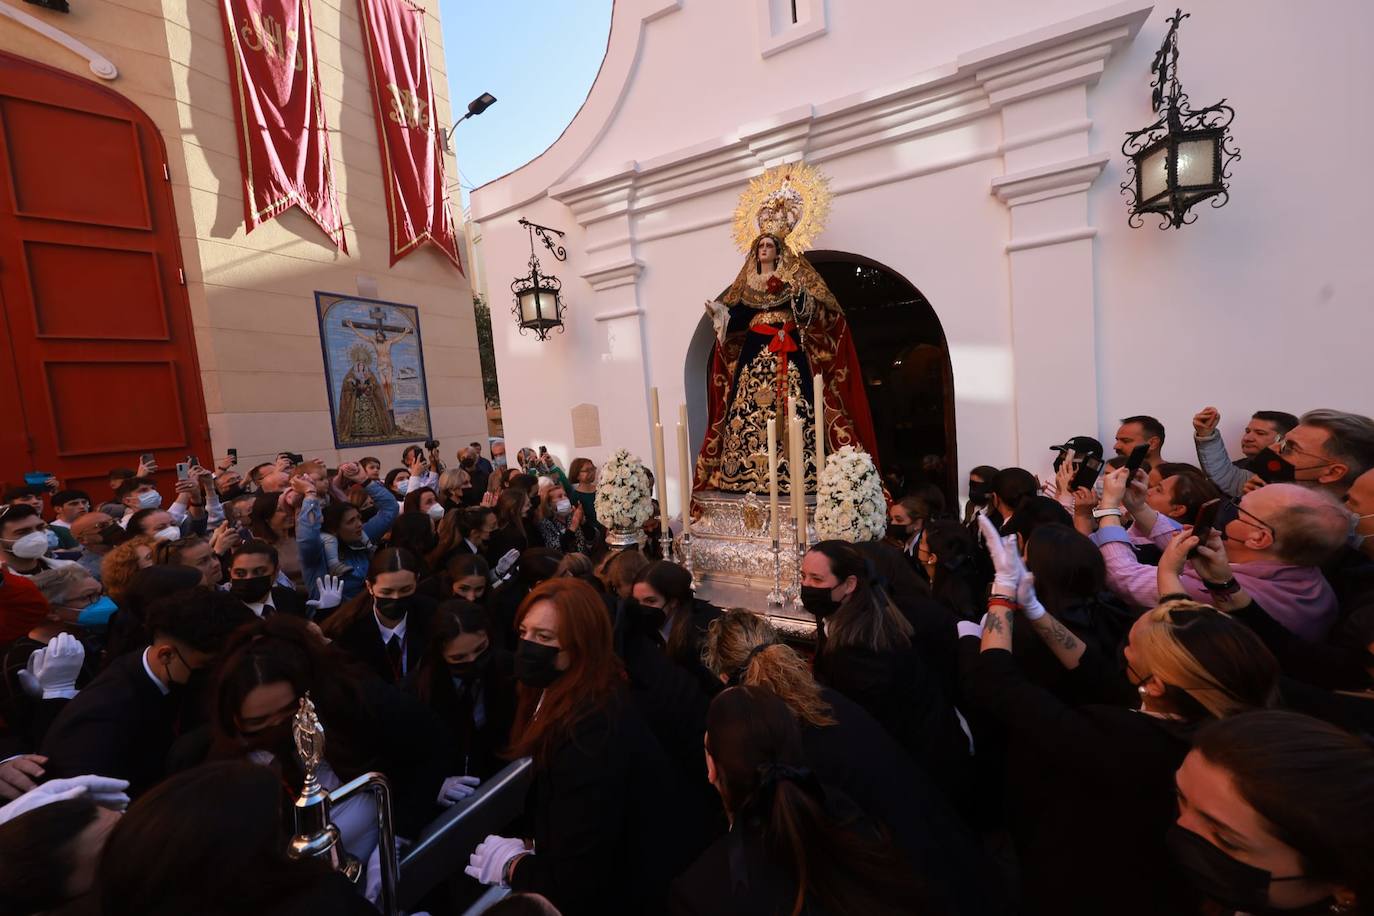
<point x="776" y="327"/>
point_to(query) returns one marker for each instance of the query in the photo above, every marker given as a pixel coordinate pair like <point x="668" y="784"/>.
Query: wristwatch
<point x="1109" y="512"/>
<point x="1229" y="587"/>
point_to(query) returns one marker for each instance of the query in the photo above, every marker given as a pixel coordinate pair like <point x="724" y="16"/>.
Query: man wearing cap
<point x="1082" y="447"/>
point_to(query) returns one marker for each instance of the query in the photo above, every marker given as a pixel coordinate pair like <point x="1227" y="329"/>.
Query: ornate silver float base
<point x="733" y="559"/>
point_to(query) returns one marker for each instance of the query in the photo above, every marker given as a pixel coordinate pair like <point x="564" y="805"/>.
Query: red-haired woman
<point x="604" y="795"/>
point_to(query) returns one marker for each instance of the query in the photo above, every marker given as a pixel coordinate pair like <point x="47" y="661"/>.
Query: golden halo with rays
<point x="791" y="201"/>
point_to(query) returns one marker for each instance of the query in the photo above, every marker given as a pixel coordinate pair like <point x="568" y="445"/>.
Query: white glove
<point x="1005" y="559"/>
<point x="330" y="589"/>
<point x="507" y="560"/>
<point x="969" y="628"/>
<point x="56" y="667"/>
<point x="1025" y="596"/>
<point x="488" y="861"/>
<point x="106" y="792"/>
<point x="457" y="788"/>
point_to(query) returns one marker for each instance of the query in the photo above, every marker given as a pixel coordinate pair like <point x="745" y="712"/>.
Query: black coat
<point x="605" y="808"/>
<point x="477" y="749"/>
<point x="901" y="691"/>
<point x="858" y="757"/>
<point x="121" y="725"/>
<point x="363" y="640"/>
<point x="1090" y="795"/>
<point x="737" y="876"/>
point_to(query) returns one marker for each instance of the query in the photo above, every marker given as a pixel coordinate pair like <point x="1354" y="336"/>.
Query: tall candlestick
<point x="661" y="481"/>
<point x="773" y="478"/>
<point x="818" y="402"/>
<point x="685" y="484"/>
<point x="653" y="406"/>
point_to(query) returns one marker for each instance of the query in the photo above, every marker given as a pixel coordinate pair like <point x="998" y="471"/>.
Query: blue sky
<point x="538" y="57"/>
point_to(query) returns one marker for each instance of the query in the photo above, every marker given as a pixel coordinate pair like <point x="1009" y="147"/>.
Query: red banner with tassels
<point x="417" y="201"/>
<point x="283" y="138"/>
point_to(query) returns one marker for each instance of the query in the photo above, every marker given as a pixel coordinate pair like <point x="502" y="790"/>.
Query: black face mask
<point x="393" y="608"/>
<point x="111" y="535"/>
<point x="977" y="493"/>
<point x="252" y="589"/>
<point x="473" y="669"/>
<point x="651" y="617"/>
<point x="1226" y="880"/>
<point x="898" y="532"/>
<point x="819" y="601"/>
<point x="535" y="664"/>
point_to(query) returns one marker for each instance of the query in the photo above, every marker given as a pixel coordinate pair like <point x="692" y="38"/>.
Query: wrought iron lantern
<point x="538" y="299"/>
<point x="1185" y="156"/>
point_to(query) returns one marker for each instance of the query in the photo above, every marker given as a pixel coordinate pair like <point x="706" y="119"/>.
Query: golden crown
<point x="789" y="201"/>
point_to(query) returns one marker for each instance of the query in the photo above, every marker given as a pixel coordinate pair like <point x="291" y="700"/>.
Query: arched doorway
<point x="906" y="367"/>
<point x="97" y="355"/>
<point x="905" y="361"/>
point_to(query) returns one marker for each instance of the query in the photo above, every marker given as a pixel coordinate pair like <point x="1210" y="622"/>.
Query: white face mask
<point x="436" y="511"/>
<point x="562" y="507"/>
<point x="170" y="533"/>
<point x="150" y="500"/>
<point x="31" y="546"/>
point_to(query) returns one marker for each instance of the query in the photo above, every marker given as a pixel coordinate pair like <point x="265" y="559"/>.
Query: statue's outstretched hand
<point x="720" y="316"/>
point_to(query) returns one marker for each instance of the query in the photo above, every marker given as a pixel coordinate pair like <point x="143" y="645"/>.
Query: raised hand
<point x="330" y="590"/>
<point x="1205" y="422"/>
<point x="1006" y="560"/>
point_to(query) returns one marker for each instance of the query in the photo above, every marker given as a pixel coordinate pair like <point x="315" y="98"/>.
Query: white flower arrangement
<point x="849" y="498"/>
<point x="623" y="496"/>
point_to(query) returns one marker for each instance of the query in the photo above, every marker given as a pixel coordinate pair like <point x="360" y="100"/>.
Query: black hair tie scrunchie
<point x="738" y="674"/>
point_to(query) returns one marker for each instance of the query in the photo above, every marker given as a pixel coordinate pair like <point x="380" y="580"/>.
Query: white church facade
<point x="977" y="238"/>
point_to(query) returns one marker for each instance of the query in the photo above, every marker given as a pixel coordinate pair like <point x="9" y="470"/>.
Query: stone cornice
<point x="972" y="86"/>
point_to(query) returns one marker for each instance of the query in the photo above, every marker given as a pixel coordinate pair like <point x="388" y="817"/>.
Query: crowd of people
<point x="1140" y="686"/>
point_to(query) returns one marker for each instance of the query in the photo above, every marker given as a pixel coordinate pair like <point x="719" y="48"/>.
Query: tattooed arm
<point x="997" y="628"/>
<point x="1057" y="638"/>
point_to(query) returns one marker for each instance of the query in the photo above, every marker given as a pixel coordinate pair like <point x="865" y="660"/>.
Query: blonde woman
<point x="1091" y="787"/>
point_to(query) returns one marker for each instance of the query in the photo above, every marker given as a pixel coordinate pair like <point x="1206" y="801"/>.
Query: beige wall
<point x="251" y="295"/>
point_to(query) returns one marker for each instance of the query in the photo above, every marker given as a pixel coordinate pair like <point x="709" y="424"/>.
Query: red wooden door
<point x="97" y="356"/>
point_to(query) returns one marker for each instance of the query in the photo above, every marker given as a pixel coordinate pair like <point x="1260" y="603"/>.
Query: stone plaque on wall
<point x="586" y="421"/>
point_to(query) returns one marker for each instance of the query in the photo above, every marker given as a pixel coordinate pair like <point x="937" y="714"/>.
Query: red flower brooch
<point x="775" y="285"/>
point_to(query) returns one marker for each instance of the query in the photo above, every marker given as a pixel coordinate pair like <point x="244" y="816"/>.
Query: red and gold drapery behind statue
<point x="283" y="137"/>
<point x="417" y="199"/>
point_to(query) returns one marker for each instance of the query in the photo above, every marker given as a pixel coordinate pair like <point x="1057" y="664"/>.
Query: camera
<point x="431" y="444"/>
<point x="294" y="457"/>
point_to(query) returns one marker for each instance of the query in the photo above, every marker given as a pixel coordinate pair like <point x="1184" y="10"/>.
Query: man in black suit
<point x="391" y="629"/>
<point x="124" y="723"/>
<point x="253" y="580"/>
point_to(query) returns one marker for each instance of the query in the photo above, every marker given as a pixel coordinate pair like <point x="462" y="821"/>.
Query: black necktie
<point x="394" y="655"/>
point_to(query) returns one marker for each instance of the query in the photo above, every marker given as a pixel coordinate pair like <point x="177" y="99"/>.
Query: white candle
<point x="653" y="406"/>
<point x="819" y="403"/>
<point x="683" y="457"/>
<point x="798" y="462"/>
<point x="661" y="479"/>
<point x="773" y="477"/>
